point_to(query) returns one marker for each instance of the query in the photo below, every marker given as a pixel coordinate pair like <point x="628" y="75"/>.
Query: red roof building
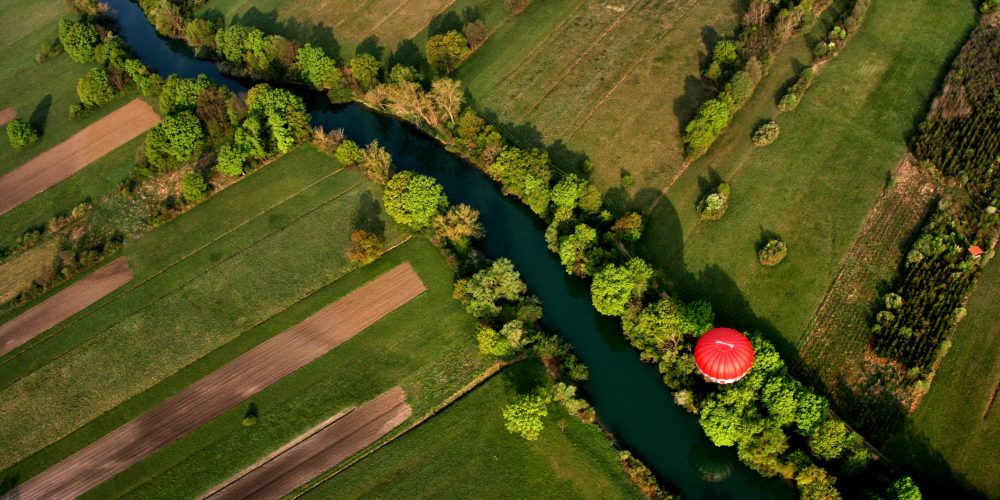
<point x="975" y="250"/>
<point x="723" y="355"/>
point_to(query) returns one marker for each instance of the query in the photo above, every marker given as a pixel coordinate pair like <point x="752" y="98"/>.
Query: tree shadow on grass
<point x="366" y="215"/>
<point x="408" y="54"/>
<point x="443" y="23"/>
<point x="686" y="105"/>
<point x="40" y="116"/>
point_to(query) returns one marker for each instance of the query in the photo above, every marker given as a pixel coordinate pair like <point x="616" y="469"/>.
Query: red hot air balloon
<point x="723" y="355"/>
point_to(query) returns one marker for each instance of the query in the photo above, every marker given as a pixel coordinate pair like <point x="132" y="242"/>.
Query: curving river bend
<point x="629" y="396"/>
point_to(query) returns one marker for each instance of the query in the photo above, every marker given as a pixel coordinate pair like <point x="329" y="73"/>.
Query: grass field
<point x="18" y="273"/>
<point x="252" y="274"/>
<point x="815" y="184"/>
<point x="952" y="429"/>
<point x="465" y="452"/>
<point x="612" y="82"/>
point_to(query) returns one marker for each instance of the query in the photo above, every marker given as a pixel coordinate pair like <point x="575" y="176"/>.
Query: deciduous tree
<point x="413" y="200"/>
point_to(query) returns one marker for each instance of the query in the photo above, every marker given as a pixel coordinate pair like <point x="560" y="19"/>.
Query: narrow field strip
<point x="374" y="27"/>
<point x="190" y="254"/>
<point x="424" y="26"/>
<point x="319" y="449"/>
<point x="72" y="155"/>
<point x="64" y="304"/>
<point x="6" y="115"/>
<point x="226" y="387"/>
<point x="21" y="271"/>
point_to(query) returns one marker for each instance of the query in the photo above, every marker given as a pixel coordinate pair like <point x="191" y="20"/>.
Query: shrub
<point x="20" y="133"/>
<point x="766" y="134"/>
<point x="194" y="188"/>
<point x="94" y="89"/>
<point x="230" y="160"/>
<point x="713" y="116"/>
<point x="47" y="51"/>
<point x="349" y="153"/>
<point x="713" y="206"/>
<point x="772" y="253"/>
<point x="788" y="102"/>
<point x="79" y="39"/>
<point x="524" y="415"/>
<point x="365" y="247"/>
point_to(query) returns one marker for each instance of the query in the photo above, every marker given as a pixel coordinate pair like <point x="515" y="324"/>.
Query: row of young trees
<point x="960" y="140"/>
<point x="779" y="426"/>
<point x="739" y="64"/>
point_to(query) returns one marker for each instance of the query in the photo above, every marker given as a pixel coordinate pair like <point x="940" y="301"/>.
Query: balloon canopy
<point x="723" y="355"/>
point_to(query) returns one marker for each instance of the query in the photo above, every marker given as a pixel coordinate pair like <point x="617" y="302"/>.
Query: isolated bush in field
<point x="524" y="415"/>
<point x="446" y="51"/>
<point x="94" y="89"/>
<point x="79" y="39"/>
<point x="193" y="187"/>
<point x="317" y="69"/>
<point x="714" y="205"/>
<point x="772" y="253"/>
<point x="20" y="133"/>
<point x="349" y="153"/>
<point x="788" y="102"/>
<point x="413" y="200"/>
<point x="365" y="247"/>
<point x="766" y="134"/>
<point x="365" y="70"/>
<point x="174" y="141"/>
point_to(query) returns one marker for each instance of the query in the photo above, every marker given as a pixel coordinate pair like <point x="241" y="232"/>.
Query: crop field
<point x="956" y="430"/>
<point x="189" y="282"/>
<point x="273" y="264"/>
<point x="40" y="92"/>
<point x="612" y="82"/>
<point x="814" y="186"/>
<point x="467" y="440"/>
<point x="17" y="273"/>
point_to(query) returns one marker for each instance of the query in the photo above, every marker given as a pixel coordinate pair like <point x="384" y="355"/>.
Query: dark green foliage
<point x="903" y="489"/>
<point x="79" y="38"/>
<point x="414" y="200"/>
<point x="628" y="227"/>
<point x="446" y="51"/>
<point x="193" y="187"/>
<point x="94" y="88"/>
<point x="174" y="141"/>
<point x="772" y="253"/>
<point x="181" y="94"/>
<point x="20" y="133"/>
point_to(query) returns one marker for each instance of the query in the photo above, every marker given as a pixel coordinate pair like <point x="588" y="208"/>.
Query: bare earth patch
<point x="64" y="304"/>
<point x="6" y="115"/>
<point x="226" y="387"/>
<point x="72" y="155"/>
<point x="319" y="449"/>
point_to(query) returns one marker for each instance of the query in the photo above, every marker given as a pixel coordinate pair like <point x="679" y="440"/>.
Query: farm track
<point x="64" y="304"/>
<point x="6" y="115"/>
<point x="226" y="387"/>
<point x="72" y="155"/>
<point x="319" y="449"/>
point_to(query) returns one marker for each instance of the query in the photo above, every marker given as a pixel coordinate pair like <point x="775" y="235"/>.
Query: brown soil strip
<point x="226" y="387"/>
<point x="6" y="115"/>
<point x="319" y="449"/>
<point x="72" y="155"/>
<point x="64" y="304"/>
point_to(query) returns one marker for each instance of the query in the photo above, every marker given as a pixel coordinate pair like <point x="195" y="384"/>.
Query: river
<point x="631" y="401"/>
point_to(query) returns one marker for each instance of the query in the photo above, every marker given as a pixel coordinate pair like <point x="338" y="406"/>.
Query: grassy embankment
<point x="814" y="185"/>
<point x="465" y="452"/>
<point x="588" y="80"/>
<point x="42" y="94"/>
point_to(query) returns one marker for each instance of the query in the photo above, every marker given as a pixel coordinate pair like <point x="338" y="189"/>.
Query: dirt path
<point x="226" y="387"/>
<point x="319" y="449"/>
<point x="6" y="115"/>
<point x="72" y="155"/>
<point x="64" y="304"/>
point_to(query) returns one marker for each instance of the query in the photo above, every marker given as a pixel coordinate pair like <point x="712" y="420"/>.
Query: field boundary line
<point x="350" y="16"/>
<point x="579" y="59"/>
<point x="165" y="295"/>
<point x="374" y="27"/>
<point x="428" y="23"/>
<point x="631" y="70"/>
<point x="480" y="379"/>
<point x="545" y="38"/>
